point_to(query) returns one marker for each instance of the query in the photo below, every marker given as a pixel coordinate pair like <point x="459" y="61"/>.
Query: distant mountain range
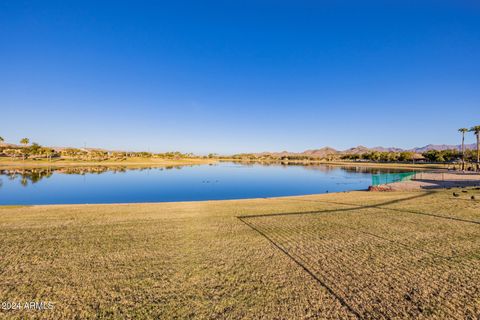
<point x="325" y="151"/>
<point x="322" y="152"/>
<point x="441" y="147"/>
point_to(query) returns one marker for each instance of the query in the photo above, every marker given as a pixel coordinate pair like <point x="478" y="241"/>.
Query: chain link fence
<point x="385" y="178"/>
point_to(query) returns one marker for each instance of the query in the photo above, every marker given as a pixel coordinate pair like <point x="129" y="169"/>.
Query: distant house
<point x="417" y="157"/>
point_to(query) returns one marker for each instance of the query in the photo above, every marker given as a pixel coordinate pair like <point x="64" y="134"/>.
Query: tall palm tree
<point x="476" y="131"/>
<point x="463" y="131"/>
<point x="25" y="142"/>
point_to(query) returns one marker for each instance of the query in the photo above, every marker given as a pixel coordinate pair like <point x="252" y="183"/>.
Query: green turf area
<point x="345" y="255"/>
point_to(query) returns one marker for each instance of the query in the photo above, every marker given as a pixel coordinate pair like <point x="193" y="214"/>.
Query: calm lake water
<point x="204" y="182"/>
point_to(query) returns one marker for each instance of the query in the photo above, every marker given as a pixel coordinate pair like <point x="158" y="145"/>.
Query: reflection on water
<point x="124" y="184"/>
<point x="34" y="175"/>
<point x="321" y="167"/>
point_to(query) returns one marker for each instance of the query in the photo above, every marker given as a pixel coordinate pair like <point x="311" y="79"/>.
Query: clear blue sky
<point x="206" y="76"/>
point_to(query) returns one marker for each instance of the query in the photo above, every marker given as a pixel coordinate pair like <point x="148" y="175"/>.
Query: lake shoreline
<point x="426" y="181"/>
<point x="386" y="165"/>
<point x="436" y="180"/>
<point x="160" y="182"/>
<point x="219" y="201"/>
<point x="142" y="162"/>
<point x="8" y="162"/>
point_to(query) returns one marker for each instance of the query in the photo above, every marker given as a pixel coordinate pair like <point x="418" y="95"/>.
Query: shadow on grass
<point x="342" y="301"/>
<point x="359" y="207"/>
<point x="248" y="220"/>
<point x="436" y="184"/>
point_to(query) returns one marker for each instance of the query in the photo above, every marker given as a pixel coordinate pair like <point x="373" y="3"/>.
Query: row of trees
<point x="405" y="156"/>
<point x="449" y="155"/>
<point x="445" y="155"/>
<point x="275" y="157"/>
<point x="433" y="155"/>
<point x="381" y="156"/>
<point x="34" y="150"/>
<point x="476" y="132"/>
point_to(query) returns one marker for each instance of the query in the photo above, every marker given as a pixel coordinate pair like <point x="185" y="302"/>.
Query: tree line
<point x="34" y="150"/>
<point x="476" y="131"/>
<point x="28" y="150"/>
<point x="449" y="155"/>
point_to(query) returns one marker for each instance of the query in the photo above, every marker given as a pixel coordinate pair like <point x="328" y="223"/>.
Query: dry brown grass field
<point x="393" y="255"/>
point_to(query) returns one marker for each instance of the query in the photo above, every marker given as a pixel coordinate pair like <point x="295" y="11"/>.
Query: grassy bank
<point x="346" y="255"/>
<point x="9" y="163"/>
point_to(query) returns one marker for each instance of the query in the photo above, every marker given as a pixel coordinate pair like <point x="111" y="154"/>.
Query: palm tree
<point x="25" y="142"/>
<point x="476" y="131"/>
<point x="463" y="131"/>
